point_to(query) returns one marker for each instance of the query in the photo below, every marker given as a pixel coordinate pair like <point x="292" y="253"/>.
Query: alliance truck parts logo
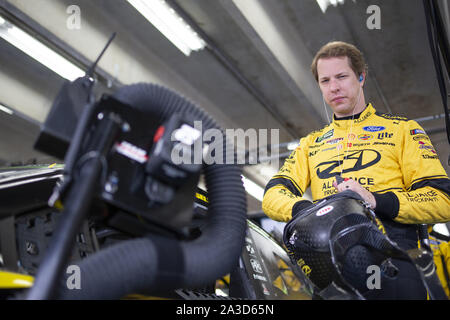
<point x="362" y="159"/>
<point x="429" y="196"/>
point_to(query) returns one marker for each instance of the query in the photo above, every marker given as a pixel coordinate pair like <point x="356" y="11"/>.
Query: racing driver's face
<point x="340" y="86"/>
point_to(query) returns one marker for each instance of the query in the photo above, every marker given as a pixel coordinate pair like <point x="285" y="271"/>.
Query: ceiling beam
<point x="284" y="49"/>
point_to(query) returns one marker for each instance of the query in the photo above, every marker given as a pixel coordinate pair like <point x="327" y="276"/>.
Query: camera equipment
<point x="120" y="168"/>
<point x="59" y="126"/>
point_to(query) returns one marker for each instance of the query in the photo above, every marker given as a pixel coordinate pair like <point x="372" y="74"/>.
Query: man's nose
<point x="334" y="86"/>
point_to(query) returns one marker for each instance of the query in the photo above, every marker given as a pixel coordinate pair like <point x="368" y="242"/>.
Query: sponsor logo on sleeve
<point x="424" y="146"/>
<point x="426" y="156"/>
<point x="430" y="196"/>
<point x="421" y="137"/>
<point x="417" y="131"/>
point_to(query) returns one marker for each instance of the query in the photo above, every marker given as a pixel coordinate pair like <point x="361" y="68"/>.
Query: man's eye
<point x="342" y="76"/>
<point x="324" y="81"/>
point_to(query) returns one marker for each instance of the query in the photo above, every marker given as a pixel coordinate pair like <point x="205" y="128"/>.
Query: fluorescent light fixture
<point x="441" y="228"/>
<point x="38" y="51"/>
<point x="292" y="145"/>
<point x="170" y="24"/>
<point x="220" y="292"/>
<point x="6" y="109"/>
<point x="253" y="189"/>
<point x="267" y="171"/>
<point x="324" y="4"/>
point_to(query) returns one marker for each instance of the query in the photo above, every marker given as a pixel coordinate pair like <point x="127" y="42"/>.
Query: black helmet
<point x="333" y="240"/>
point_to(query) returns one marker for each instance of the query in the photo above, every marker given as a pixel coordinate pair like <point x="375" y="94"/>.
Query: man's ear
<point x="362" y="78"/>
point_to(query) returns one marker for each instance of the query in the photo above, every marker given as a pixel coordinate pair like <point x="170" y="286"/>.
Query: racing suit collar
<point x="358" y="119"/>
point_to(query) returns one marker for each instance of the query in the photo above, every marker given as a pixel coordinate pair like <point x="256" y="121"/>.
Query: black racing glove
<point x="300" y="206"/>
<point x="387" y="205"/>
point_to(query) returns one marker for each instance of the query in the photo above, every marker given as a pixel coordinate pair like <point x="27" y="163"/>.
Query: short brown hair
<point x="341" y="49"/>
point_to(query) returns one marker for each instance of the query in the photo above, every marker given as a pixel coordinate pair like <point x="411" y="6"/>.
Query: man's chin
<point x="342" y="111"/>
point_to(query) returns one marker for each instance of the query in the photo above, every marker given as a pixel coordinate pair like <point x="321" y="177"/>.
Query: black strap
<point x="444" y="268"/>
<point x="369" y="235"/>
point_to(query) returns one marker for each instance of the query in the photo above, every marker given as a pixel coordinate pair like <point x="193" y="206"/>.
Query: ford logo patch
<point x="374" y="128"/>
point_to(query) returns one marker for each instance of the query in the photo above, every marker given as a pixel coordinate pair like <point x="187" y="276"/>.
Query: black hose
<point x="156" y="265"/>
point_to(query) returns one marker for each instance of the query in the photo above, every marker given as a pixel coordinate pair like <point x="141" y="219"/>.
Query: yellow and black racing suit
<point x="390" y="156"/>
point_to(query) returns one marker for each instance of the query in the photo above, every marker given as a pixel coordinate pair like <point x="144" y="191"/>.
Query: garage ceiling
<point x="254" y="73"/>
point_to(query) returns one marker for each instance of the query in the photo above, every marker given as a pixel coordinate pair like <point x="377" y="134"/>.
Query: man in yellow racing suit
<point x="392" y="157"/>
<point x="388" y="160"/>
